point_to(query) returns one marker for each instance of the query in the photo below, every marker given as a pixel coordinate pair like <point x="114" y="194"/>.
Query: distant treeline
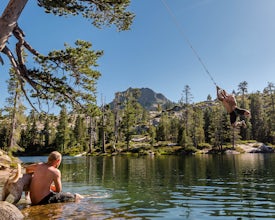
<point x="186" y="124"/>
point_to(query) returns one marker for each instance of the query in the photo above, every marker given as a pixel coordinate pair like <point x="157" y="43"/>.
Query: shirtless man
<point x="44" y="175"/>
<point x="230" y="104"/>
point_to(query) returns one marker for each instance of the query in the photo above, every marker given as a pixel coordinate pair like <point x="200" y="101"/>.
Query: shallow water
<point x="167" y="187"/>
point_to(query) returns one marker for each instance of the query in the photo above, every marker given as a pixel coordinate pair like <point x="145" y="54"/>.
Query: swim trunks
<point x="233" y="115"/>
<point x="53" y="197"/>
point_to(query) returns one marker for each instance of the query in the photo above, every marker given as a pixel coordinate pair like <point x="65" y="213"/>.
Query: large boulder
<point x="263" y="149"/>
<point x="9" y="211"/>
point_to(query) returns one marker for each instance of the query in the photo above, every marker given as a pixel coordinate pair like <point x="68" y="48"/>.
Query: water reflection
<point x="171" y="187"/>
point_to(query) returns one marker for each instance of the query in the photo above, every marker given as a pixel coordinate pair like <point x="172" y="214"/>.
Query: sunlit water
<point x="168" y="187"/>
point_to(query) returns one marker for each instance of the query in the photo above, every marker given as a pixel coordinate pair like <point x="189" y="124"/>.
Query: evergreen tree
<point x="109" y="126"/>
<point x="130" y="109"/>
<point x="92" y="132"/>
<point x="219" y="127"/>
<point x="207" y="118"/>
<point x="185" y="102"/>
<point x="64" y="75"/>
<point x="4" y="134"/>
<point x="197" y="132"/>
<point x="269" y="100"/>
<point x="183" y="139"/>
<point x="174" y="129"/>
<point x="152" y="134"/>
<point x="244" y="132"/>
<point x="15" y="110"/>
<point x="30" y="134"/>
<point x="63" y="132"/>
<point x="46" y="132"/>
<point x="259" y="125"/>
<point x="163" y="128"/>
<point x="80" y="134"/>
<point x="102" y="128"/>
<point x="117" y="118"/>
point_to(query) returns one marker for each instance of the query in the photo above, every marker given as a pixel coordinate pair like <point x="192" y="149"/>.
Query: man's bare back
<point x="228" y="100"/>
<point x="44" y="174"/>
<point x="42" y="180"/>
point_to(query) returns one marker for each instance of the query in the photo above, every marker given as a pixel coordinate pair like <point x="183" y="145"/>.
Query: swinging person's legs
<point x="233" y="117"/>
<point x="234" y="122"/>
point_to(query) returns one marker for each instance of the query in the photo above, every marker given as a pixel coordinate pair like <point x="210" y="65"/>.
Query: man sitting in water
<point x="44" y="175"/>
<point x="230" y="104"/>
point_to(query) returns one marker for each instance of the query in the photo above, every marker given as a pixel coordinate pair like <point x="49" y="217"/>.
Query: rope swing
<point x="187" y="40"/>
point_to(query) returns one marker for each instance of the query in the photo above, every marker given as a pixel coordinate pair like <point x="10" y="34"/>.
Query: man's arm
<point x="219" y="94"/>
<point x="57" y="181"/>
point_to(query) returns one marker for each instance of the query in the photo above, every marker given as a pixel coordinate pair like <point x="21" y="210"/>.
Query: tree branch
<point x="14" y="63"/>
<point x="9" y="19"/>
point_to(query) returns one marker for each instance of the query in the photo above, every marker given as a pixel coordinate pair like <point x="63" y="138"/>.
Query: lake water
<point x="166" y="187"/>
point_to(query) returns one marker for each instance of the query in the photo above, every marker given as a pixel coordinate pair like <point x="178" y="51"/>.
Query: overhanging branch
<point x="8" y="20"/>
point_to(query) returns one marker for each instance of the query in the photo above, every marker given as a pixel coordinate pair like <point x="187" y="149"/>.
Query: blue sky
<point x="234" y="38"/>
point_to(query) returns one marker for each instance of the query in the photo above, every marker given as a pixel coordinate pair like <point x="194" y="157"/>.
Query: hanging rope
<point x="187" y="40"/>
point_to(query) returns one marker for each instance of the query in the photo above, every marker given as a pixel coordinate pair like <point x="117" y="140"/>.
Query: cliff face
<point x="149" y="99"/>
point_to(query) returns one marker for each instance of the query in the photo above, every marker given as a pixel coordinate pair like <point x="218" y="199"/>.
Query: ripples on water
<point x="198" y="187"/>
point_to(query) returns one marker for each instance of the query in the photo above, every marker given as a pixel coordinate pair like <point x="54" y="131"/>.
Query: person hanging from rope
<point x="230" y="104"/>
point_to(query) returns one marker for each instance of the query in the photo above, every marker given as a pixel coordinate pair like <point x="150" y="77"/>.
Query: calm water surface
<point x="167" y="187"/>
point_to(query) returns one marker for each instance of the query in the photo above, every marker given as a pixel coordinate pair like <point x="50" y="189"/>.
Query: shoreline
<point x="240" y="149"/>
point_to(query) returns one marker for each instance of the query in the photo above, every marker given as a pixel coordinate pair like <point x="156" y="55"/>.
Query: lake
<point x="164" y="187"/>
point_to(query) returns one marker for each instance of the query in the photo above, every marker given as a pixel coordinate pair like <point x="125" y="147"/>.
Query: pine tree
<point x="219" y="127"/>
<point x="244" y="132"/>
<point x="197" y="132"/>
<point x="207" y="118"/>
<point x="269" y="100"/>
<point x="63" y="76"/>
<point x="129" y="114"/>
<point x="163" y="128"/>
<point x="152" y="134"/>
<point x="46" y="132"/>
<point x="15" y="110"/>
<point x="29" y="135"/>
<point x="4" y="134"/>
<point x="80" y="134"/>
<point x="185" y="102"/>
<point x="259" y="128"/>
<point x="63" y="133"/>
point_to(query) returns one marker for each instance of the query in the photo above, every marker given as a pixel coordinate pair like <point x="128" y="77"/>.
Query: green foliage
<point x="4" y="135"/>
<point x="77" y="86"/>
<point x="163" y="128"/>
<point x="152" y="134"/>
<point x="63" y="76"/>
<point x="63" y="132"/>
<point x="129" y="119"/>
<point x="73" y="151"/>
<point x="80" y="134"/>
<point x="103" y="12"/>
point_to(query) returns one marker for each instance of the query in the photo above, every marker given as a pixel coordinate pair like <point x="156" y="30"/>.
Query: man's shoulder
<point x="54" y="170"/>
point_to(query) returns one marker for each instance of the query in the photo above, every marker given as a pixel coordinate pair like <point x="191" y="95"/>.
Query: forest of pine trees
<point x="189" y="125"/>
